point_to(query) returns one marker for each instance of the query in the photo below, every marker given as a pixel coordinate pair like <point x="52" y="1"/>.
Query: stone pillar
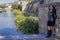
<point x="58" y="22"/>
<point x="43" y="19"/>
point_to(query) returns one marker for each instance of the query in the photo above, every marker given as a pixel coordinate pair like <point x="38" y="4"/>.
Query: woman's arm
<point x="55" y="15"/>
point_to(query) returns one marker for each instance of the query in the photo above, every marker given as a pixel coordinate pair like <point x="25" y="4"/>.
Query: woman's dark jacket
<point x="52" y="16"/>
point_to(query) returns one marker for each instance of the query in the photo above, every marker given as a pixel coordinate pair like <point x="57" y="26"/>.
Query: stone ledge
<point x="33" y="39"/>
<point x="28" y="37"/>
<point x="23" y="37"/>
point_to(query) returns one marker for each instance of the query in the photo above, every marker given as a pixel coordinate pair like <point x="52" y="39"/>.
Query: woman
<point x="51" y="20"/>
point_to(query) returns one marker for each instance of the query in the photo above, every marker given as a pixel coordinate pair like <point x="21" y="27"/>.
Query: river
<point x="7" y="25"/>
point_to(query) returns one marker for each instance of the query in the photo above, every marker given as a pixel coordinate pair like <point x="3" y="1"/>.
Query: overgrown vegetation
<point x="17" y="12"/>
<point x="25" y="24"/>
<point x="28" y="25"/>
<point x="30" y="0"/>
<point x="17" y="6"/>
<point x="3" y="6"/>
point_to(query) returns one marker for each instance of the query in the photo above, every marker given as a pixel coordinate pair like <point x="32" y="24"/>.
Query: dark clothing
<point x="49" y="33"/>
<point x="51" y="23"/>
<point x="51" y="18"/>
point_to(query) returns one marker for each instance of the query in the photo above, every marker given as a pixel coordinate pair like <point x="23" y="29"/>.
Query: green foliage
<point x="20" y="20"/>
<point x="17" y="12"/>
<point x="25" y="24"/>
<point x="31" y="25"/>
<point x="28" y="25"/>
<point x="30" y="0"/>
<point x="2" y="6"/>
<point x="17" y="6"/>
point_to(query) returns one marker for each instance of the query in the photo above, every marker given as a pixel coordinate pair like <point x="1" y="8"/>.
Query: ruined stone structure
<point x="24" y="4"/>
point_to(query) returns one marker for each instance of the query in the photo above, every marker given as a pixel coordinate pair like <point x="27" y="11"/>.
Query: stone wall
<point x="56" y="0"/>
<point x="58" y="22"/>
<point x="43" y="11"/>
<point x="50" y="1"/>
<point x="42" y="19"/>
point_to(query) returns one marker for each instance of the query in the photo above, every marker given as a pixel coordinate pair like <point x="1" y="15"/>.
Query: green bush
<point x="17" y="12"/>
<point x="17" y="6"/>
<point x="20" y="20"/>
<point x="30" y="0"/>
<point x="28" y="25"/>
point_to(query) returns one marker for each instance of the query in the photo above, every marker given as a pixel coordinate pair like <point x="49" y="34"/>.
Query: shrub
<point x="30" y="0"/>
<point x="28" y="25"/>
<point x="17" y="12"/>
<point x="31" y="25"/>
<point x="20" y="20"/>
<point x="17" y="6"/>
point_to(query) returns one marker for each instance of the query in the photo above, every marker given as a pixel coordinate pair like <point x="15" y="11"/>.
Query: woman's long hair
<point x="54" y="9"/>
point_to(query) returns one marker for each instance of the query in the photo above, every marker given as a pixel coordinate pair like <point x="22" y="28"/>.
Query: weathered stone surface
<point x="43" y="11"/>
<point x="24" y="4"/>
<point x="43" y="19"/>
